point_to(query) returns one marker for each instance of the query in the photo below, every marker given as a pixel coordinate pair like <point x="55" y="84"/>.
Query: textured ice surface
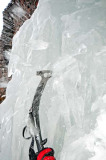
<point x="67" y="37"/>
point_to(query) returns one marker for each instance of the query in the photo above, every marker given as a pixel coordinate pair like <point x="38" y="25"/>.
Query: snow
<point x="69" y="39"/>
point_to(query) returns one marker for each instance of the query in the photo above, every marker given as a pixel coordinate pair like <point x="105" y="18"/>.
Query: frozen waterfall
<point x="69" y="38"/>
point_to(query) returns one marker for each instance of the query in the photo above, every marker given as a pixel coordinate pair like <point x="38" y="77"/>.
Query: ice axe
<point x="34" y="112"/>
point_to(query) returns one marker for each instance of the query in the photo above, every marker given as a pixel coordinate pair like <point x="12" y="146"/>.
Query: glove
<point x="46" y="154"/>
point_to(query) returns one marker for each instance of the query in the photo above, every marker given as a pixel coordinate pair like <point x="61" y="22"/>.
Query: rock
<point x="16" y="13"/>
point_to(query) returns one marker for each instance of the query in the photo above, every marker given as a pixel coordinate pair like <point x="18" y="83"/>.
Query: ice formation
<point x="67" y="37"/>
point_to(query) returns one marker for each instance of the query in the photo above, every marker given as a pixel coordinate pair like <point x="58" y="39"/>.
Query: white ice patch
<point x="18" y="11"/>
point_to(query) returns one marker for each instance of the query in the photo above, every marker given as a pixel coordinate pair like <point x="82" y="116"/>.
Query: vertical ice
<point x="67" y="37"/>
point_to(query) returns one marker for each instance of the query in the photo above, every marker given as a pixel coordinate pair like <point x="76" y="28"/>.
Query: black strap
<point x="32" y="154"/>
<point x="23" y="133"/>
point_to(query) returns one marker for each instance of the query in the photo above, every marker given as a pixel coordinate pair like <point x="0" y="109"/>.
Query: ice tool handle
<point x="45" y="75"/>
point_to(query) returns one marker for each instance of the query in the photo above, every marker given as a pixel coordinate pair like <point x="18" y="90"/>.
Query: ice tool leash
<point x="35" y="134"/>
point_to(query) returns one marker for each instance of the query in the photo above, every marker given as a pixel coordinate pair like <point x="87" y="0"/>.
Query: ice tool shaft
<point x="45" y="75"/>
<point x="34" y="110"/>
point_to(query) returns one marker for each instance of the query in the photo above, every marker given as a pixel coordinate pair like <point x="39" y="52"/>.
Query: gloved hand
<point x="46" y="154"/>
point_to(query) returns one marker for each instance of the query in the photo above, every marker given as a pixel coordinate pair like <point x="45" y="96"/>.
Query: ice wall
<point x="67" y="37"/>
